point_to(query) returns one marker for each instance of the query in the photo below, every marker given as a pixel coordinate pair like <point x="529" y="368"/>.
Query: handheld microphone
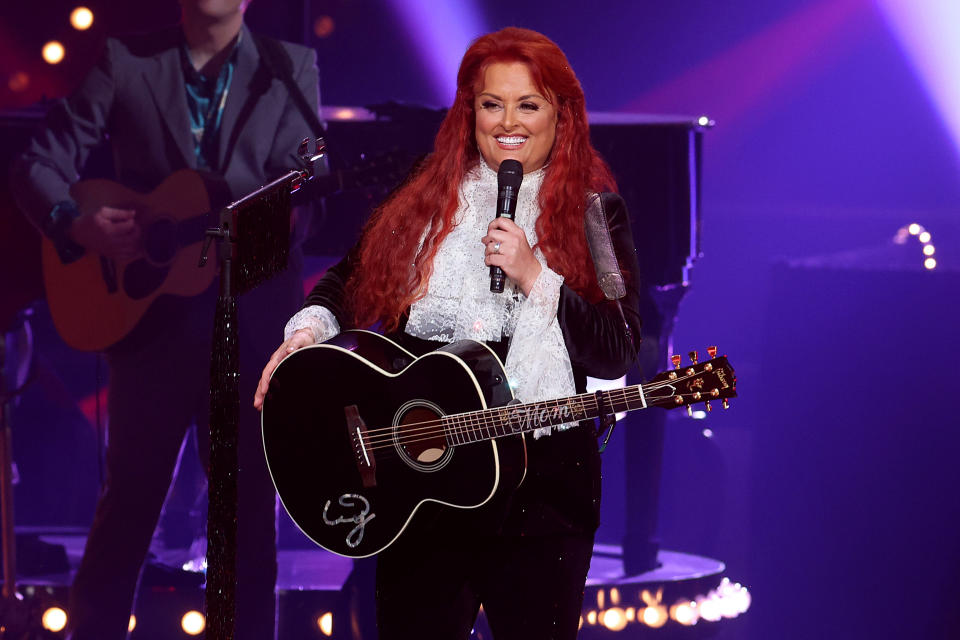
<point x="509" y="177"/>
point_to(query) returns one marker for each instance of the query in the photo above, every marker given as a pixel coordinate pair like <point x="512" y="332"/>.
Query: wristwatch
<point x="57" y="229"/>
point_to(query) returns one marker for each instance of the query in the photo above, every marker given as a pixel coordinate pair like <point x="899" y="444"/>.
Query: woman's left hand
<point x="507" y="248"/>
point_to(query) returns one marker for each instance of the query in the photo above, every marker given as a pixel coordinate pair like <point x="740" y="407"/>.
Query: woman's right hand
<point x="302" y="338"/>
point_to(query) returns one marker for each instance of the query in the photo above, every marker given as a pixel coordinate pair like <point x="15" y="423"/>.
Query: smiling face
<point x="514" y="119"/>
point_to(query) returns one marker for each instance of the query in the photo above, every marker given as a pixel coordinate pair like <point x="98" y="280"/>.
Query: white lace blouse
<point x="459" y="305"/>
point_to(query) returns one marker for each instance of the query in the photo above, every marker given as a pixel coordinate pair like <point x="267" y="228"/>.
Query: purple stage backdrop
<point x="836" y="125"/>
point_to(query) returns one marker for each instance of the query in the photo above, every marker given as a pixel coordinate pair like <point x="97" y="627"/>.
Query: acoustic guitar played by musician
<point x="421" y="272"/>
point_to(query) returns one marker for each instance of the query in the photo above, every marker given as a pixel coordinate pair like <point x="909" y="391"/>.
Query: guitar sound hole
<point x="160" y="241"/>
<point x="420" y="438"/>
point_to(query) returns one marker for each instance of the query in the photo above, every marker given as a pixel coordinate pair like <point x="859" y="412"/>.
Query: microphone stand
<point x="253" y="245"/>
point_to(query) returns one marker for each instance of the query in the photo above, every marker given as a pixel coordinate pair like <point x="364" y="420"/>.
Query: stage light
<point x="18" y="82"/>
<point x="325" y="623"/>
<point x="927" y="32"/>
<point x="614" y="619"/>
<point x="655" y="616"/>
<point x="81" y="18"/>
<point x="601" y="600"/>
<point x="699" y="415"/>
<point x="709" y="607"/>
<point x="53" y="52"/>
<point x="345" y="114"/>
<point x="631" y="614"/>
<point x="729" y="598"/>
<point x="707" y="433"/>
<point x="743" y="599"/>
<point x="441" y="32"/>
<point x="193" y="623"/>
<point x="592" y="617"/>
<point x="132" y="624"/>
<point x="614" y="596"/>
<point x="323" y="26"/>
<point x="728" y="606"/>
<point x="923" y="236"/>
<point x="684" y="612"/>
<point x="54" y="619"/>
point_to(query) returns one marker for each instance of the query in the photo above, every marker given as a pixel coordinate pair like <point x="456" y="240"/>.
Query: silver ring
<point x="496" y="247"/>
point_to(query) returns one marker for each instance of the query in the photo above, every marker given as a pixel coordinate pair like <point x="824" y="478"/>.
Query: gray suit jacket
<point x="135" y="97"/>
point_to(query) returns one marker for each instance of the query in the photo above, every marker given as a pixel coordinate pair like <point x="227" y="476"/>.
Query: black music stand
<point x="254" y="240"/>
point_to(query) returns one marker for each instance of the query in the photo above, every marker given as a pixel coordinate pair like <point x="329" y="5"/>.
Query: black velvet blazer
<point x="561" y="491"/>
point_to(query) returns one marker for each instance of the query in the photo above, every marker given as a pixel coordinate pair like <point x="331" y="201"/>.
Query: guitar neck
<point x="487" y="424"/>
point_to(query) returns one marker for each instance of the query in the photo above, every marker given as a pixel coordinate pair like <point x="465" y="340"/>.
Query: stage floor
<point x="320" y="570"/>
<point x="311" y="584"/>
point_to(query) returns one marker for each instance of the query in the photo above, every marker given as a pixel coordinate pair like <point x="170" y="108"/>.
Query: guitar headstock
<point x="713" y="379"/>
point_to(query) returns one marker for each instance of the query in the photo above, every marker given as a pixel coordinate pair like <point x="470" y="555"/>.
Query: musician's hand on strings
<point x="113" y="233"/>
<point x="302" y="338"/>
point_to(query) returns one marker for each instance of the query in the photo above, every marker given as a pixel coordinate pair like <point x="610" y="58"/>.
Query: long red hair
<point x="392" y="274"/>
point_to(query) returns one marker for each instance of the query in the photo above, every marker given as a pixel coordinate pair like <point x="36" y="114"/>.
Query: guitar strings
<point x="485" y="421"/>
<point x="487" y="417"/>
<point x="627" y="394"/>
<point x="405" y="439"/>
<point x="474" y="421"/>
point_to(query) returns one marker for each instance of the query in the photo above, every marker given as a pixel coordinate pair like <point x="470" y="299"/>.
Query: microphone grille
<point x="510" y="174"/>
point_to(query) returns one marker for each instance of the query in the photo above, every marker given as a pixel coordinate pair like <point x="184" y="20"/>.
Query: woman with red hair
<point x="420" y="271"/>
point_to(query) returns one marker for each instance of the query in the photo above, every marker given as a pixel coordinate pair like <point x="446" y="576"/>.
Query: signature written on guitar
<point x="526" y="418"/>
<point x="360" y="517"/>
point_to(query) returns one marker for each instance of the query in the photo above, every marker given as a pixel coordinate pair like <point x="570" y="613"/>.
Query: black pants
<point x="531" y="587"/>
<point x="159" y="386"/>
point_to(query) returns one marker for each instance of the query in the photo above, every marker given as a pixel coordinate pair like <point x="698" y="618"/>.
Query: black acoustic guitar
<point x="358" y="432"/>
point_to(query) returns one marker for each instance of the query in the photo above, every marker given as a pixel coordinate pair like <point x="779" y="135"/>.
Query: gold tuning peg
<point x="726" y="405"/>
<point x="712" y="351"/>
<point x="690" y="410"/>
<point x="693" y="357"/>
<point x="675" y="359"/>
<point x="706" y="405"/>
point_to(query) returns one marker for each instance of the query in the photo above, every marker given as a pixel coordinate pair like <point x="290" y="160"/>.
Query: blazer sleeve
<point x="331" y="291"/>
<point x="594" y="334"/>
<point x="41" y="176"/>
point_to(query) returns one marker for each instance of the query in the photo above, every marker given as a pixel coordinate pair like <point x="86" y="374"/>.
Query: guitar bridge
<point x="362" y="451"/>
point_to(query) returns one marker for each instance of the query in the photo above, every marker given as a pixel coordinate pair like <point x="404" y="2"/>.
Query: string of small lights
<point x="923" y="236"/>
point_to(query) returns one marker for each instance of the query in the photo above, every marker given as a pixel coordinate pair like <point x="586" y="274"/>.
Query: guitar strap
<point x="281" y="66"/>
<point x="611" y="282"/>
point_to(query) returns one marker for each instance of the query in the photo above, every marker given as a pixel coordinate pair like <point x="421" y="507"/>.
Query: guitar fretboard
<point x="475" y="426"/>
